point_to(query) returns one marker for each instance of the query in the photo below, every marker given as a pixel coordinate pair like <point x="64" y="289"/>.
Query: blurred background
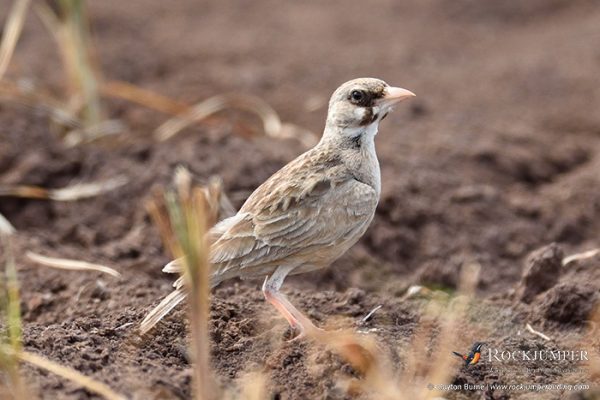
<point x="497" y="156"/>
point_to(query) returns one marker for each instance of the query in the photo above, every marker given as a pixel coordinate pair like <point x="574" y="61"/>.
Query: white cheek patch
<point x="359" y="113"/>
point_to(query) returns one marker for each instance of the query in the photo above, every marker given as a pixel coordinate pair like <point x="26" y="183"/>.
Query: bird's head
<point x="361" y="103"/>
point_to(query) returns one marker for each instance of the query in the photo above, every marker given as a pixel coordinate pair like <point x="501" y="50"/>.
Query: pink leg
<point x="295" y="318"/>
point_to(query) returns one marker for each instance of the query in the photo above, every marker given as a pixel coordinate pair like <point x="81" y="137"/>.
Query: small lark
<point x="308" y="213"/>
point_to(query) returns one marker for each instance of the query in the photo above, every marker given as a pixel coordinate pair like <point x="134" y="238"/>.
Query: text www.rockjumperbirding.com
<point x="521" y="387"/>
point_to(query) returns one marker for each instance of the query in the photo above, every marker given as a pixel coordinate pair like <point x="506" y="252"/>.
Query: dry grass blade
<point x="215" y="206"/>
<point x="210" y="106"/>
<point x="85" y="190"/>
<point x="11" y="33"/>
<point x="91" y="133"/>
<point x="69" y="27"/>
<point x="6" y="227"/>
<point x="70" y="374"/>
<point x="69" y="193"/>
<point x="182" y="217"/>
<point x="580" y="256"/>
<point x="10" y="325"/>
<point x="188" y="216"/>
<point x="135" y="94"/>
<point x="536" y="333"/>
<point x="76" y="51"/>
<point x="369" y="316"/>
<point x="71" y="265"/>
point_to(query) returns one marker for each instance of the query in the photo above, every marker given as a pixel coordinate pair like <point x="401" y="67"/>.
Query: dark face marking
<point x="369" y="117"/>
<point x="366" y="98"/>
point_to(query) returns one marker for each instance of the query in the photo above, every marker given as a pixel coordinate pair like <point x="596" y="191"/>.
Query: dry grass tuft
<point x="69" y="26"/>
<point x="10" y="311"/>
<point x="364" y="354"/>
<point x="71" y="265"/>
<point x="183" y="217"/>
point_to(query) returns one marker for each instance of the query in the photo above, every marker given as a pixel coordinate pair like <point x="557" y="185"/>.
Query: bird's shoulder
<point x="310" y="175"/>
<point x="312" y="202"/>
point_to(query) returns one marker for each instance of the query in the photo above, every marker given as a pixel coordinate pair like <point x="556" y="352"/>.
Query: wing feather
<point x="304" y="221"/>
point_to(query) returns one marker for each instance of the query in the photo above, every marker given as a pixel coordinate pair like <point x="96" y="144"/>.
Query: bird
<point x="308" y="213"/>
<point x="474" y="355"/>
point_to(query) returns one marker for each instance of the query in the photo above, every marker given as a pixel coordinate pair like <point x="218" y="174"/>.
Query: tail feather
<point x="171" y="301"/>
<point x="162" y="309"/>
<point x="175" y="266"/>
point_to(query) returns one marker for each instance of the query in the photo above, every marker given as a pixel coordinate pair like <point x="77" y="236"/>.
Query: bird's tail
<point x="162" y="309"/>
<point x="173" y="299"/>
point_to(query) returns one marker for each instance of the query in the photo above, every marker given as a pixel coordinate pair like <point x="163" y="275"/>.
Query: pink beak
<point x="395" y="95"/>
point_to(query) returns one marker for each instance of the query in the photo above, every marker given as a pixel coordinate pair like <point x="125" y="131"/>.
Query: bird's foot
<point x="307" y="332"/>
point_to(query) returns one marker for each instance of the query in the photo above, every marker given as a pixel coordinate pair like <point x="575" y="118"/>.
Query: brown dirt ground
<point x="498" y="156"/>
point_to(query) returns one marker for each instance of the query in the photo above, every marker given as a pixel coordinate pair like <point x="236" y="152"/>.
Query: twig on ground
<point x="537" y="333"/>
<point x="368" y="317"/>
<point x="580" y="256"/>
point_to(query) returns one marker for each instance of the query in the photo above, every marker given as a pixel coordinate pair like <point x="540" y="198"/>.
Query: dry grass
<point x="183" y="217"/>
<point x="70" y="265"/>
<point x="135" y="94"/>
<point x="70" y="374"/>
<point x="421" y="366"/>
<point x="11" y="323"/>
<point x="81" y="116"/>
<point x="70" y="193"/>
<point x="272" y="124"/>
<point x="11" y="33"/>
<point x="69" y="26"/>
<point x="580" y="256"/>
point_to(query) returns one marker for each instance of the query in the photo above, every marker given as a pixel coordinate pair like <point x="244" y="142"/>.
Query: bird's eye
<point x="357" y="96"/>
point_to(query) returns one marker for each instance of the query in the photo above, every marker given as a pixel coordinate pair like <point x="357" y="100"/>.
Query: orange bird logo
<point x="474" y="355"/>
